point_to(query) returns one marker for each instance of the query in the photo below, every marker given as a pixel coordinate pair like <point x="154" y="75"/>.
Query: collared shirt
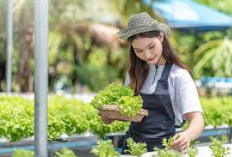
<point x="182" y="90"/>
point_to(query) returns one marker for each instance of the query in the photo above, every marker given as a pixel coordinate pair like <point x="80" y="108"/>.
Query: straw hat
<point x="140" y="23"/>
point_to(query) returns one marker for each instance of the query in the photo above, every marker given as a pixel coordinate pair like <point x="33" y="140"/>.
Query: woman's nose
<point x="147" y="55"/>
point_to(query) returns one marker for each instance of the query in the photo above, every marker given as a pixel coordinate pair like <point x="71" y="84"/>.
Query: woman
<point x="167" y="89"/>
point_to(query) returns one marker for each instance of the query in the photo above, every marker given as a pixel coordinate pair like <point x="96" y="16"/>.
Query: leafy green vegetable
<point x="65" y="152"/>
<point x="71" y="116"/>
<point x="65" y="116"/>
<point x="168" y="142"/>
<point x="26" y="153"/>
<point x="130" y="105"/>
<point x="167" y="151"/>
<point x="23" y="153"/>
<point x="136" y="148"/>
<point x="110" y="95"/>
<point x="192" y="151"/>
<point x="16" y="118"/>
<point x="217" y="146"/>
<point x="104" y="148"/>
<point x="122" y="96"/>
<point x="217" y="110"/>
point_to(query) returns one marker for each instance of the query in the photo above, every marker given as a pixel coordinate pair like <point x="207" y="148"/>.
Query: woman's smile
<point x="150" y="59"/>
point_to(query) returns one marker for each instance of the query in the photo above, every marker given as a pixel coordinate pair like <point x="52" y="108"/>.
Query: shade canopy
<point x="188" y="15"/>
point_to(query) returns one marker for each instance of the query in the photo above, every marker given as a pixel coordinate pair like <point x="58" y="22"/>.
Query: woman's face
<point x="149" y="49"/>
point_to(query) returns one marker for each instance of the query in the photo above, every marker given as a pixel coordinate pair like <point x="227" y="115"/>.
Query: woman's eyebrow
<point x="145" y="47"/>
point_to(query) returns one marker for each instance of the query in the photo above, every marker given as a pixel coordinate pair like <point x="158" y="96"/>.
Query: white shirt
<point x="181" y="88"/>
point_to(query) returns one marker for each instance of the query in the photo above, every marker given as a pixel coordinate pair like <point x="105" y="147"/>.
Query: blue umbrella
<point x="187" y="15"/>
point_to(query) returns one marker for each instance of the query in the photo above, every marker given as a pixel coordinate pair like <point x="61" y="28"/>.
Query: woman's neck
<point x="161" y="61"/>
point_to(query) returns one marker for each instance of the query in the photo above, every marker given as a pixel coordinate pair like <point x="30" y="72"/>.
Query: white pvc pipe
<point x="41" y="77"/>
<point x="9" y="44"/>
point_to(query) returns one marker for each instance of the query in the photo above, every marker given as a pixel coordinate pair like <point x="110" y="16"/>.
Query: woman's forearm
<point x="196" y="125"/>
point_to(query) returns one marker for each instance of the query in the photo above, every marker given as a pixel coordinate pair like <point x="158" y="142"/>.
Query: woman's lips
<point x="150" y="59"/>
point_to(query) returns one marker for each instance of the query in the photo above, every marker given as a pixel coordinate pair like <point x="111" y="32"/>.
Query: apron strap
<point x="162" y="84"/>
<point x="166" y="72"/>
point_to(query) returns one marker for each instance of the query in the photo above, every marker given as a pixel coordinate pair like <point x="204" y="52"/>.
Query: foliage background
<point x="84" y="53"/>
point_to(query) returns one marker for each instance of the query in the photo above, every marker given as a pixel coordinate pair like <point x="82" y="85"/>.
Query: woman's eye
<point x="151" y="47"/>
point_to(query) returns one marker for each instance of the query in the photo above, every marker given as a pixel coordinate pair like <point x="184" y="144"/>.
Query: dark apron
<point x="160" y="122"/>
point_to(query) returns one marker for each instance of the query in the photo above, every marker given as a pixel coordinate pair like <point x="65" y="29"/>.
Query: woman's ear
<point x="161" y="37"/>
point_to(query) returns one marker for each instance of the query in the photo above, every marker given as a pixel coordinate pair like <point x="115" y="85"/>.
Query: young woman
<point x="165" y="84"/>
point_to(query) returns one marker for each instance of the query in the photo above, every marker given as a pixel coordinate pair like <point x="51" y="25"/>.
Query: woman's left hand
<point x="181" y="143"/>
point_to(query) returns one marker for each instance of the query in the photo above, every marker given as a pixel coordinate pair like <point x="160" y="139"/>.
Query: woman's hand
<point x="106" y="120"/>
<point x="196" y="126"/>
<point x="181" y="143"/>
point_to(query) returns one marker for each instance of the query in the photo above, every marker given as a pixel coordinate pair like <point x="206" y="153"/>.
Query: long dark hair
<point x="138" y="68"/>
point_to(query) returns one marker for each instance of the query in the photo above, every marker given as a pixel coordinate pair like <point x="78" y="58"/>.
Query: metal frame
<point x="41" y="77"/>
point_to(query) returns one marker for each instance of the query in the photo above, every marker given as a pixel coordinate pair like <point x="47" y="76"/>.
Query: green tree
<point x="222" y="5"/>
<point x="214" y="56"/>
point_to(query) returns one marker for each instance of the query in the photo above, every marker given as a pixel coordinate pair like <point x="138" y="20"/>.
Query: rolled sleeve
<point x="187" y="96"/>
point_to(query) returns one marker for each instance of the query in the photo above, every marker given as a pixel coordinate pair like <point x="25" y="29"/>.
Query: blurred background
<point x="85" y="55"/>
